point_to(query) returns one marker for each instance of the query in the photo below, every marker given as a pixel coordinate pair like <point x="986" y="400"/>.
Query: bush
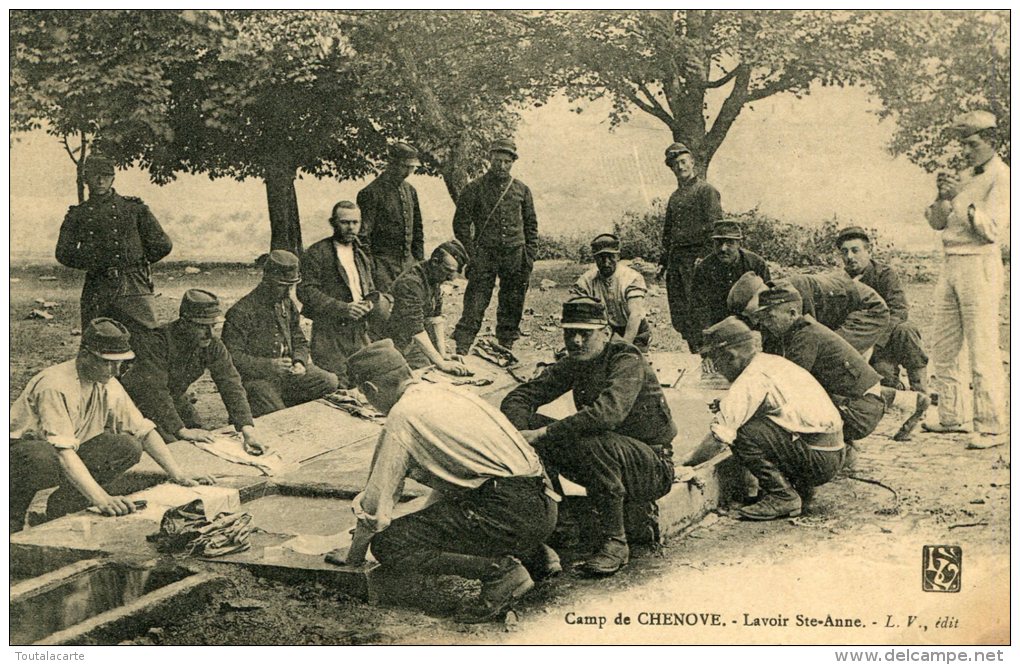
<point x="561" y="247"/>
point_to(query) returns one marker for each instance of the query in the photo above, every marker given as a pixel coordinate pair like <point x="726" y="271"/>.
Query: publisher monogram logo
<point x="941" y="566"/>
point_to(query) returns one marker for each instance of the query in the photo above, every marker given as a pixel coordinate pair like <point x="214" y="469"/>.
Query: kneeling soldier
<point x="619" y="443"/>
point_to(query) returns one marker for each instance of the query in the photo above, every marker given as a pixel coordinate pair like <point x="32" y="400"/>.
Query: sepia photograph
<point x="436" y="327"/>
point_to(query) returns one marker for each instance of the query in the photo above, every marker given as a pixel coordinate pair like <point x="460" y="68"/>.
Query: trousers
<point x="513" y="269"/>
<point x="782" y="461"/>
<point x="34" y="466"/>
<point x="967" y="313"/>
<point x="269" y="395"/>
<point x="332" y="344"/>
<point x="904" y="348"/>
<point x="860" y="415"/>
<point x="679" y="276"/>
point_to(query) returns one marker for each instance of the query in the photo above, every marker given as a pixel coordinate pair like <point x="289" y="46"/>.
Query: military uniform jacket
<point x="167" y="364"/>
<point x="513" y="222"/>
<point x="391" y="219"/>
<point x="615" y="392"/>
<point x="690" y="212"/>
<point x="854" y="310"/>
<point x="886" y="283"/>
<point x="259" y="330"/>
<point x="415" y="299"/>
<point x="836" y="365"/>
<point x="713" y="280"/>
<point x="324" y="290"/>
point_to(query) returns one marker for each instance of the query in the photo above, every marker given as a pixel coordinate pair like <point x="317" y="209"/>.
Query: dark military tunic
<point x="166" y="365"/>
<point x="415" y="300"/>
<point x="852" y="309"/>
<point x="712" y="282"/>
<point x="391" y="228"/>
<point x="904" y="346"/>
<point x="114" y="238"/>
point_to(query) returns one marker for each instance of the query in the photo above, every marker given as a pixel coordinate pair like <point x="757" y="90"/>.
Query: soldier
<point x="391" y="227"/>
<point x="336" y="282"/>
<point x="492" y="508"/>
<point x="972" y="212"/>
<point x="904" y="344"/>
<point x="779" y="422"/>
<point x="719" y="271"/>
<point x="496" y="223"/>
<point x="114" y="239"/>
<point x="263" y="335"/>
<point x="620" y="288"/>
<point x="75" y="427"/>
<point x="619" y="444"/>
<point x="686" y="237"/>
<point x="852" y="309"/>
<point x="416" y="324"/>
<point x="172" y="357"/>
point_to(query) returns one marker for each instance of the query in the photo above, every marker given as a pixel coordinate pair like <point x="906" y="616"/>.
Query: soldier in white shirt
<point x="620" y="288"/>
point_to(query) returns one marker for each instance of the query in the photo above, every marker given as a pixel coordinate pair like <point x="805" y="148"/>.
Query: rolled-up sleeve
<point x="55" y="424"/>
<point x="374" y="506"/>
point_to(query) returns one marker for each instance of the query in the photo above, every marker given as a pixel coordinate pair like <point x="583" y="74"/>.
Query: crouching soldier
<point x="619" y="443"/>
<point x="263" y="335"/>
<point x="75" y="428"/>
<point x="779" y="422"/>
<point x="172" y="357"/>
<point x="491" y="508"/>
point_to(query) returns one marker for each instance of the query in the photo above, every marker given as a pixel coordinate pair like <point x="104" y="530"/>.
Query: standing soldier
<point x="114" y="238"/>
<point x="496" y="223"/>
<point x="391" y="228"/>
<point x="686" y="237"/>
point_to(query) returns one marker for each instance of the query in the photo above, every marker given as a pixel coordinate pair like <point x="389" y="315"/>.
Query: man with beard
<point x="172" y="357"/>
<point x="391" y="231"/>
<point x="716" y="275"/>
<point x="619" y="443"/>
<point x="620" y="288"/>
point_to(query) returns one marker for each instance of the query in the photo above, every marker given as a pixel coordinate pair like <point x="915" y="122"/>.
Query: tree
<point x="948" y="62"/>
<point x="666" y="62"/>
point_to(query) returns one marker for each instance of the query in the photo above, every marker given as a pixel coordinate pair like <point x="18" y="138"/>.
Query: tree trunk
<point x="284" y="221"/>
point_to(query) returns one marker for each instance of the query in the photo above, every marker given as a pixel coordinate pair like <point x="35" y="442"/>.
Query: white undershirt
<point x="345" y="254"/>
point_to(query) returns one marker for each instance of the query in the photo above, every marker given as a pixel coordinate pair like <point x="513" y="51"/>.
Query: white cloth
<point x="345" y="254"/>
<point x="787" y="394"/>
<point x="988" y="192"/>
<point x="624" y="285"/>
<point x="59" y="407"/>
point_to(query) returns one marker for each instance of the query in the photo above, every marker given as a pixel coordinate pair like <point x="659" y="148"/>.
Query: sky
<point x="799" y="160"/>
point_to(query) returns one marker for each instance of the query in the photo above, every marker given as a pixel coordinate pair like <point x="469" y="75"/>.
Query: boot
<point x="544" y="564"/>
<point x="611" y="557"/>
<point x="906" y="431"/>
<point x="503" y="582"/>
<point x="773" y="507"/>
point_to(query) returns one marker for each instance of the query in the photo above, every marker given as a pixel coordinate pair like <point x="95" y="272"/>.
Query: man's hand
<point x="948" y="185"/>
<point x="707" y="366"/>
<point x="115" y="506"/>
<point x="195" y="434"/>
<point x="282" y="365"/>
<point x="252" y="445"/>
<point x="297" y="368"/>
<point x="358" y="310"/>
<point x="533" y="435"/>
<point x="454" y="367"/>
<point x="185" y="481"/>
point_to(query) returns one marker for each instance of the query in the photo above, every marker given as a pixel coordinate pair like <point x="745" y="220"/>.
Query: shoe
<point x="773" y="507"/>
<point x="850" y="457"/>
<point x="544" y="564"/>
<point x="507" y="583"/>
<point x="985" y="440"/>
<point x="941" y="428"/>
<point x="906" y="431"/>
<point x="611" y="557"/>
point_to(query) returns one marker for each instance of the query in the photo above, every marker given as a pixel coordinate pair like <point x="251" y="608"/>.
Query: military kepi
<point x="675" y="150"/>
<point x="99" y="165"/>
<point x="778" y="294"/>
<point x="281" y="267"/>
<point x="585" y="313"/>
<point x="404" y="153"/>
<point x="199" y="306"/>
<point x="971" y="123"/>
<point x="606" y="243"/>
<point x="727" y="229"/>
<point x="456" y="249"/>
<point x="504" y="145"/>
<point x="108" y="339"/>
<point x="374" y="360"/>
<point x="726" y="333"/>
<point x="852" y="233"/>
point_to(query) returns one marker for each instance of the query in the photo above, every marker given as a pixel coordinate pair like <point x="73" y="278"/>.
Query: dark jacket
<point x="257" y="332"/>
<point x="690" y="212"/>
<point x="391" y="219"/>
<point x="836" y="365"/>
<point x="886" y="283"/>
<point x="852" y="309"/>
<point x="713" y="280"/>
<point x="166" y="365"/>
<point x="324" y="291"/>
<point x="512" y="223"/>
<point x="415" y="299"/>
<point x="615" y="392"/>
<point x="112" y="231"/>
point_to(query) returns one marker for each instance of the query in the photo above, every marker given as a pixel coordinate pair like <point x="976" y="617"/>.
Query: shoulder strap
<point x="481" y="227"/>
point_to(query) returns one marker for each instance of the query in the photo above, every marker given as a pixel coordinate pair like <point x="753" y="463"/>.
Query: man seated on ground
<point x="75" y="428"/>
<point x="491" y="507"/>
<point x="853" y="310"/>
<point x="852" y="384"/>
<point x="336" y="278"/>
<point x="620" y="288"/>
<point x="619" y="443"/>
<point x="416" y="323"/>
<point x="904" y="344"/>
<point x="172" y="357"/>
<point x="263" y="335"/>
<point x="779" y="422"/>
<point x="719" y="271"/>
